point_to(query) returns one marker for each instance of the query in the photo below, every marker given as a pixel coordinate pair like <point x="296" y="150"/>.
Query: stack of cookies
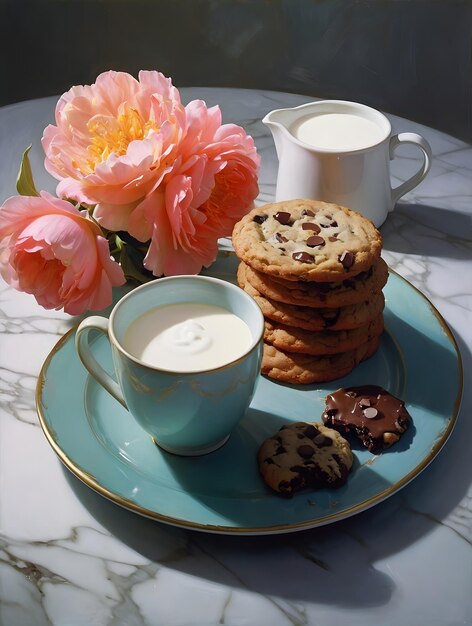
<point x="315" y="270"/>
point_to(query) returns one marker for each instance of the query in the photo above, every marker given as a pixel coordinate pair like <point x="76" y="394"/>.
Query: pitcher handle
<point x="408" y="185"/>
<point x="82" y="344"/>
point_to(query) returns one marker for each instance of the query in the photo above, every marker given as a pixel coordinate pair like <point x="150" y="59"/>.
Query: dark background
<point x="412" y="58"/>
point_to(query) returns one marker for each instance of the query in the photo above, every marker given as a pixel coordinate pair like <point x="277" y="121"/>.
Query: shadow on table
<point x="308" y="566"/>
<point x="448" y="222"/>
<point x="331" y="565"/>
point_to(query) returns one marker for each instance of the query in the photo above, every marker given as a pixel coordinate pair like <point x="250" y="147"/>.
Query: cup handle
<point x="424" y="146"/>
<point x="95" y="322"/>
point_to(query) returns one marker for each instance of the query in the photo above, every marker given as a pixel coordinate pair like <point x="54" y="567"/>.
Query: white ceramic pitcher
<point x="356" y="178"/>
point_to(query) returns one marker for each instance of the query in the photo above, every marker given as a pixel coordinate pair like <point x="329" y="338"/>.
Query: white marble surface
<point x="68" y="557"/>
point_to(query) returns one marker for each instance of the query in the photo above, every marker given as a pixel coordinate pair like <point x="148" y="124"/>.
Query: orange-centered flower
<point x="170" y="175"/>
<point x="113" y="135"/>
<point x="115" y="140"/>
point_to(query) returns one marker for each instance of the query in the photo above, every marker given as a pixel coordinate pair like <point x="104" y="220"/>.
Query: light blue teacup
<point x="186" y="413"/>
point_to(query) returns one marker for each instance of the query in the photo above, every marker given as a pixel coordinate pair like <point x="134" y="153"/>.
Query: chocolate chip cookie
<point x="339" y="318"/>
<point x="376" y="417"/>
<point x="291" y="339"/>
<point x="304" y="455"/>
<point x="305" y="369"/>
<point x="321" y="294"/>
<point x="307" y="240"/>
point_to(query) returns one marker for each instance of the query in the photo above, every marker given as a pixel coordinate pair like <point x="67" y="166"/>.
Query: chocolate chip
<point x="311" y="431"/>
<point x="303" y="257"/>
<point x="308" y="212"/>
<point x="305" y="451"/>
<point x="322" y="441"/>
<point x="260" y="219"/>
<point x="269" y="461"/>
<point x="401" y="425"/>
<point x="280" y="238"/>
<point x="311" y="226"/>
<point x="333" y="238"/>
<point x="370" y="412"/>
<point x="314" y="241"/>
<point x="280" y="450"/>
<point x="285" y="488"/>
<point x="321" y="287"/>
<point x="296" y="482"/>
<point x="283" y="217"/>
<point x="328" y="222"/>
<point x="330" y="317"/>
<point x="346" y="259"/>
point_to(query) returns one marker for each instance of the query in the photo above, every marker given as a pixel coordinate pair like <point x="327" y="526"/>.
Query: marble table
<point x="69" y="557"/>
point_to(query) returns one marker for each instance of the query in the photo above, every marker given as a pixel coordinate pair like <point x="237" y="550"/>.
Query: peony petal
<point x="114" y="217"/>
<point x="56" y="253"/>
<point x="110" y="138"/>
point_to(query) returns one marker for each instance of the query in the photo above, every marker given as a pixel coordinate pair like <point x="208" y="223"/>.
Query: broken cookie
<point x="376" y="417"/>
<point x="304" y="455"/>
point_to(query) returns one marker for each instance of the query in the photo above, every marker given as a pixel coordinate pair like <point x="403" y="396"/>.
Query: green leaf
<point x="25" y="183"/>
<point x="119" y="243"/>
<point x="131" y="261"/>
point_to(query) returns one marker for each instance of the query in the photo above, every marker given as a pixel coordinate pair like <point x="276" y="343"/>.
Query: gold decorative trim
<point x="93" y="483"/>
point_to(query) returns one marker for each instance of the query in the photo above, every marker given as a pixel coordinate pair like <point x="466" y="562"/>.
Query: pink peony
<point x="165" y="173"/>
<point x="212" y="184"/>
<point x="53" y="251"/>
<point x="114" y="141"/>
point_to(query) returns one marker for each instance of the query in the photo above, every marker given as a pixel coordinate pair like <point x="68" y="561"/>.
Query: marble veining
<point x="69" y="557"/>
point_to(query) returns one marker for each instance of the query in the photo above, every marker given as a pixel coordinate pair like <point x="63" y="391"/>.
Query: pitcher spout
<point x="278" y="124"/>
<point x="275" y="117"/>
<point x="294" y="176"/>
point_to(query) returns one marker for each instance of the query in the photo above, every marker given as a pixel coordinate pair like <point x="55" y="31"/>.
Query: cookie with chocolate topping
<point x="304" y="455"/>
<point x="307" y="240"/>
<point x="369" y="412"/>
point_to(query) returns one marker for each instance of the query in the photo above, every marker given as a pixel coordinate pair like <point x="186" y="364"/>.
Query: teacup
<point x="189" y="385"/>
<point x="340" y="151"/>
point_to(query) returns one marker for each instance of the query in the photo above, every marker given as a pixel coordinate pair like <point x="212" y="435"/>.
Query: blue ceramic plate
<point x="222" y="492"/>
